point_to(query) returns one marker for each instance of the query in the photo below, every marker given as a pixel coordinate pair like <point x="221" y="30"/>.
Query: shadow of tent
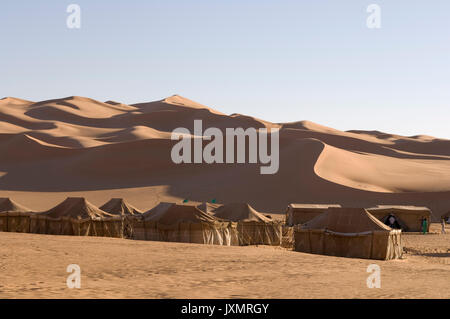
<point x="399" y="221"/>
<point x="444" y="255"/>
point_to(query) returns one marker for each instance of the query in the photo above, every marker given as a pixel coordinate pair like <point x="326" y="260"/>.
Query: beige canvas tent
<point x="120" y="207"/>
<point x="348" y="232"/>
<point x="8" y="205"/>
<point x="14" y="217"/>
<point x="183" y="223"/>
<point x="253" y="227"/>
<point x="408" y="217"/>
<point x="77" y="216"/>
<point x="301" y="213"/>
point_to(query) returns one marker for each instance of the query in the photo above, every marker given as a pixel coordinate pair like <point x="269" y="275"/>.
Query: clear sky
<point x="277" y="60"/>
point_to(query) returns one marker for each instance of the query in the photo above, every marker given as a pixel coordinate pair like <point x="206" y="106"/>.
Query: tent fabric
<point x="346" y="220"/>
<point x="16" y="222"/>
<point x="174" y="214"/>
<point x="113" y="227"/>
<point x="161" y="208"/>
<point x="287" y="239"/>
<point x="302" y="213"/>
<point x="66" y="226"/>
<point x="76" y="207"/>
<point x="348" y="232"/>
<point x="258" y="233"/>
<point x="54" y="226"/>
<point x="253" y="228"/>
<point x="82" y="227"/>
<point x="4" y="222"/>
<point x="182" y="223"/>
<point x="208" y="208"/>
<point x="73" y="217"/>
<point x="8" y="205"/>
<point x="198" y="233"/>
<point x="14" y="217"/>
<point x="38" y="224"/>
<point x="409" y="217"/>
<point x="239" y="212"/>
<point x="118" y="206"/>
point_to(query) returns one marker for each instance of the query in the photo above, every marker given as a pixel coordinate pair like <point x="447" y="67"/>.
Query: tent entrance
<point x="394" y="222"/>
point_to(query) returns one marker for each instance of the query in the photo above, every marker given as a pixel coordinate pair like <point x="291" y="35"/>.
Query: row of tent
<point x="232" y="224"/>
<point x="371" y="233"/>
<point x="320" y="229"/>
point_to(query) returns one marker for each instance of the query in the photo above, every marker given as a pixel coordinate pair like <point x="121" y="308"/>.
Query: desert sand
<point x="81" y="147"/>
<point x="34" y="266"/>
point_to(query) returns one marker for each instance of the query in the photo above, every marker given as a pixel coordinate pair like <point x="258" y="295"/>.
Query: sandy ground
<point x="34" y="266"/>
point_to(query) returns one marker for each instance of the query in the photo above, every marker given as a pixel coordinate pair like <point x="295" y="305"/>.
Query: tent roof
<point x="399" y="208"/>
<point x="76" y="207"/>
<point x="240" y="212"/>
<point x="158" y="209"/>
<point x="171" y="213"/>
<point x="346" y="220"/>
<point x="8" y="205"/>
<point x="118" y="206"/>
<point x="208" y="207"/>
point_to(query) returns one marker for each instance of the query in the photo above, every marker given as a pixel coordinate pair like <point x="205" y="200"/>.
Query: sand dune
<point x="76" y="146"/>
<point x="345" y="167"/>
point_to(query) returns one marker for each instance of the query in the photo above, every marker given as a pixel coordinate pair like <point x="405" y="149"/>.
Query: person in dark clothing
<point x="392" y="222"/>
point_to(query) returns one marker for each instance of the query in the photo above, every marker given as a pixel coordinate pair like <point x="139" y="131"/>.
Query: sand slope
<point x="77" y="146"/>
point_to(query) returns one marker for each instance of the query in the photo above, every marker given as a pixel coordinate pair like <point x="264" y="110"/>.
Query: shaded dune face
<point x="77" y="144"/>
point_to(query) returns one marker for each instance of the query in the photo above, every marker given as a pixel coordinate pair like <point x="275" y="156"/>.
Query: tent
<point x="408" y="217"/>
<point x="14" y="217"/>
<point x="301" y="213"/>
<point x="8" y="205"/>
<point x="76" y="216"/>
<point x="120" y="207"/>
<point x="182" y="223"/>
<point x="76" y="207"/>
<point x="348" y="232"/>
<point x="253" y="227"/>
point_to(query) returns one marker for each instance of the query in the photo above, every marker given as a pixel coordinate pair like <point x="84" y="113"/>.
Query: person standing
<point x="424" y="226"/>
<point x="443" y="225"/>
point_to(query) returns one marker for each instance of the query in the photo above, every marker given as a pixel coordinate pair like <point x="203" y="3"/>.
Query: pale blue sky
<point x="277" y="60"/>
